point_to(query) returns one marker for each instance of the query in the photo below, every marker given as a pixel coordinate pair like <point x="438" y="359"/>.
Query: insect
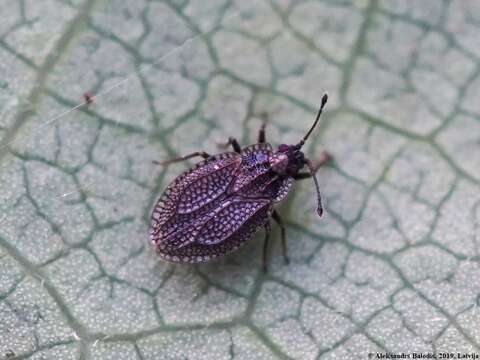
<point x="88" y="97"/>
<point x="217" y="205"/>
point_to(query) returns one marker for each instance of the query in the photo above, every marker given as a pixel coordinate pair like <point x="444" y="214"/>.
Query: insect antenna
<point x="319" y="197"/>
<point x="324" y="101"/>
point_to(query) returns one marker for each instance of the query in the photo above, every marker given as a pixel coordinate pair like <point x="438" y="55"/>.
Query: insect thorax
<point x="257" y="178"/>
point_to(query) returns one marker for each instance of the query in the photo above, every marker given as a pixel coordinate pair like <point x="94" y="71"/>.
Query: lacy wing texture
<point x="393" y="266"/>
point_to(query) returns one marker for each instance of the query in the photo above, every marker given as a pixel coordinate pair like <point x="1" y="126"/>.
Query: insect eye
<point x="283" y="148"/>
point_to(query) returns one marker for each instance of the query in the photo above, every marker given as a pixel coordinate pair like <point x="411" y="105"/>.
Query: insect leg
<point x="279" y="221"/>
<point x="324" y="158"/>
<point x="265" y="248"/>
<point x="261" y="133"/>
<point x="203" y="154"/>
<point x="302" y="176"/>
<point x="235" y="145"/>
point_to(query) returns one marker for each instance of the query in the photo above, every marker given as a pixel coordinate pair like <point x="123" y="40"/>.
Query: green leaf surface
<point x="393" y="265"/>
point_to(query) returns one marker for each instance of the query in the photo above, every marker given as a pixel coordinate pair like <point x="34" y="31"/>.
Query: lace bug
<point x="217" y="205"/>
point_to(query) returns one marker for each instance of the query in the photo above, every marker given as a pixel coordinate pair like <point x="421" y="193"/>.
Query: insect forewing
<point x="232" y="214"/>
<point x="191" y="194"/>
<point x="198" y="185"/>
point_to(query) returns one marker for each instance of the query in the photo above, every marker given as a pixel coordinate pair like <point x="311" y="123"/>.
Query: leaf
<point x="393" y="265"/>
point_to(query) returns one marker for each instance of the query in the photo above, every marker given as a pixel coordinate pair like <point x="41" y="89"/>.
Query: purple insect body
<point x="216" y="206"/>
